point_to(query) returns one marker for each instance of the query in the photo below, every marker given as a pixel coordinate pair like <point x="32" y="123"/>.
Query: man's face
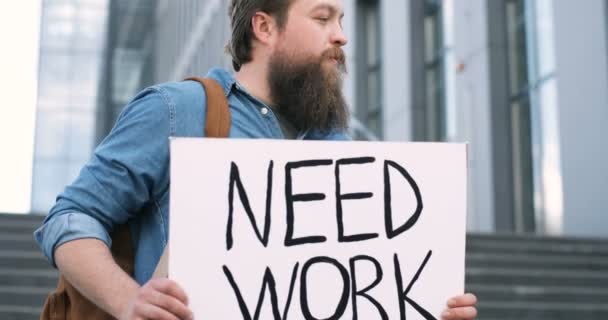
<point x="305" y="70"/>
<point x="313" y="28"/>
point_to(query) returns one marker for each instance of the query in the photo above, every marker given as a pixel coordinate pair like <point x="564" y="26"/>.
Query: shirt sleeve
<point x="127" y="170"/>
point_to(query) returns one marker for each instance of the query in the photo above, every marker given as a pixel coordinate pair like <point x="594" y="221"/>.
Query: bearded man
<point x="289" y="65"/>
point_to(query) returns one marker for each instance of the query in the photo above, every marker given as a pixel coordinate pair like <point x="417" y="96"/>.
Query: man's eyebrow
<point x="326" y="6"/>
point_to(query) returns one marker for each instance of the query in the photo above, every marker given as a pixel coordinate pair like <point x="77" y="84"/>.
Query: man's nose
<point x="338" y="37"/>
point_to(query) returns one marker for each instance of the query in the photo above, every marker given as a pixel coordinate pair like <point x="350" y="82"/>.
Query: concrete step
<point x="528" y="260"/>
<point x="21" y="217"/>
<point x="10" y="312"/>
<point x="536" y="245"/>
<point x="11" y="223"/>
<point x="24" y="296"/>
<point x="17" y="236"/>
<point x="542" y="311"/>
<point x="46" y="278"/>
<point x="23" y="259"/>
<point x="18" y="241"/>
<point x="19" y="226"/>
<point x="536" y="277"/>
<point x="579" y="249"/>
<point x="532" y="237"/>
<point x="542" y="294"/>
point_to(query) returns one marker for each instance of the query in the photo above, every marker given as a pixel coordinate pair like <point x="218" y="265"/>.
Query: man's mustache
<point x="335" y="53"/>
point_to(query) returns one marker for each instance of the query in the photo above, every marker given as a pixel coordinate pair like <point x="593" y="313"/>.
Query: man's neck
<point x="253" y="78"/>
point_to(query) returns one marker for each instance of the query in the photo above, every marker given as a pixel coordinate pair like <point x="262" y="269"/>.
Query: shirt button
<point x="264" y="111"/>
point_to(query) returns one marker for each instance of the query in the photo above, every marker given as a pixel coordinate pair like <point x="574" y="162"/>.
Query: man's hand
<point x="461" y="308"/>
<point x="159" y="299"/>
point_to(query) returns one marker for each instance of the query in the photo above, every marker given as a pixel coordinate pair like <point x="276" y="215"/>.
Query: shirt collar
<point x="223" y="77"/>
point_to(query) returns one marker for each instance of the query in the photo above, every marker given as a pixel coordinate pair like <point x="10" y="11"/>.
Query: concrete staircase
<point x="515" y="277"/>
<point x="25" y="276"/>
<point x="541" y="278"/>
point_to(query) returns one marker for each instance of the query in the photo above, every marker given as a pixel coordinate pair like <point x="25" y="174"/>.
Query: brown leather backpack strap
<point x="216" y="126"/>
<point x="218" y="112"/>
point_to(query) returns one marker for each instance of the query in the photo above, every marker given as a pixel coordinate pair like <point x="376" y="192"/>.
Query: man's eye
<point x="323" y="19"/>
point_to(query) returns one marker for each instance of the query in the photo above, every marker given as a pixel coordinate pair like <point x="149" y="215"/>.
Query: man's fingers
<point x="170" y="287"/>
<point x="461" y="307"/>
<point x="459" y="313"/>
<point x="464" y="300"/>
<point x="150" y="311"/>
<point x="168" y="303"/>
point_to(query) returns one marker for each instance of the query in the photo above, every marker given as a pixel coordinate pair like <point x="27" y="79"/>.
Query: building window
<point x="434" y="72"/>
<point x="369" y="68"/>
<point x="534" y="136"/>
<point x="71" y="46"/>
<point x="521" y="126"/>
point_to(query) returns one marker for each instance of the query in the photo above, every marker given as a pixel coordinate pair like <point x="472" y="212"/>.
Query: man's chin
<point x="332" y="71"/>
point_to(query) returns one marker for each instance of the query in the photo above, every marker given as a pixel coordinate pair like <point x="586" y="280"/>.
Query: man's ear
<point x="264" y="27"/>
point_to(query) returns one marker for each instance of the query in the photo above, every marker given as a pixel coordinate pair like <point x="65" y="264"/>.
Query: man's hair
<point x="241" y="12"/>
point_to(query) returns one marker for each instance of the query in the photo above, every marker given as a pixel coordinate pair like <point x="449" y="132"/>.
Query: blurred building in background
<point x="514" y="78"/>
<point x="72" y="43"/>
<point x="525" y="82"/>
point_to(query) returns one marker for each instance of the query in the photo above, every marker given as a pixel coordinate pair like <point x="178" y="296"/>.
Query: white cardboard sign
<point x="274" y="229"/>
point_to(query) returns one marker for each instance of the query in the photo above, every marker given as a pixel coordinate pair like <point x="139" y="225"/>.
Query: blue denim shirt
<point x="127" y="178"/>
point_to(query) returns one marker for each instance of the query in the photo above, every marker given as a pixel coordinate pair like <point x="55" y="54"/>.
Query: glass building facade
<point x="369" y="67"/>
<point x="488" y="73"/>
<point x="72" y="41"/>
<point x="496" y="74"/>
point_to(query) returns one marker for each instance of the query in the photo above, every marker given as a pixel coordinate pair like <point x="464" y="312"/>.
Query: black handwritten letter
<point x="391" y="232"/>
<point x="402" y="295"/>
<point x="269" y="283"/>
<point x="235" y="179"/>
<point x="350" y="196"/>
<point x="290" y="198"/>
<point x="363" y="292"/>
<point x="341" y="308"/>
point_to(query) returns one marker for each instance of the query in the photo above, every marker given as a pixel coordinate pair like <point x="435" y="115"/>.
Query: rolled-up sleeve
<point x="127" y="170"/>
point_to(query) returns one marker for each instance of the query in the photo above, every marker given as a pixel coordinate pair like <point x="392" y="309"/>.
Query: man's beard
<point x="307" y="94"/>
